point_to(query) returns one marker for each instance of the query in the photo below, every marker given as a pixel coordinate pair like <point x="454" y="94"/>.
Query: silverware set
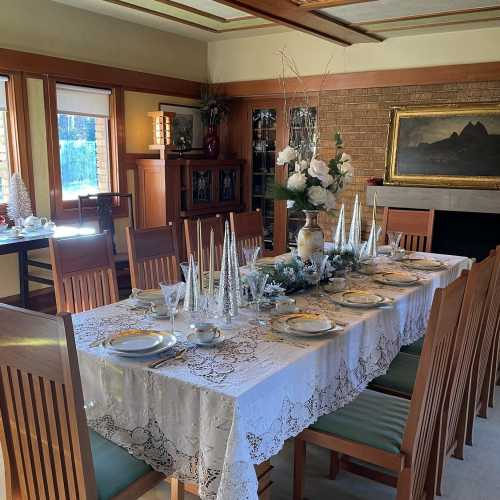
<point x="173" y="356"/>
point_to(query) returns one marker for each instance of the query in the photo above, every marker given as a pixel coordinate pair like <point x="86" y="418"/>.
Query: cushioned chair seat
<point x="374" y="419"/>
<point x="415" y="348"/>
<point x="115" y="469"/>
<point x="400" y="377"/>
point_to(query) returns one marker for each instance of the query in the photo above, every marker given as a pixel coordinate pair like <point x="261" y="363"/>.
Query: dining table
<point x="211" y="414"/>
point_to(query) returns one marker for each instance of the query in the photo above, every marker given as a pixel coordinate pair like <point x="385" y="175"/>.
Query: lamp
<point x="163" y="122"/>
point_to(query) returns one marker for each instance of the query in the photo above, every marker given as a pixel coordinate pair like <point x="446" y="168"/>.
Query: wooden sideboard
<point x="172" y="190"/>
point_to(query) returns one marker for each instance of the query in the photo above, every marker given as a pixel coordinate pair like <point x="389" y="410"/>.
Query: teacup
<point x="160" y="310"/>
<point x="338" y="284"/>
<point x="205" y="332"/>
<point x="284" y="304"/>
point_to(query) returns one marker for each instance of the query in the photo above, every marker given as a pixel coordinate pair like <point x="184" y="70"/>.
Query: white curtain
<point x="3" y="97"/>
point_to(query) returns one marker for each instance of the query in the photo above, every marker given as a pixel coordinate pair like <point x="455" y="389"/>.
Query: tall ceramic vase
<point x="311" y="238"/>
<point x="212" y="143"/>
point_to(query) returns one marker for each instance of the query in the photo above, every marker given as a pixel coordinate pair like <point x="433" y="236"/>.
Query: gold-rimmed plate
<point x="281" y="324"/>
<point x="360" y="299"/>
<point x="396" y="278"/>
<point x="309" y="323"/>
<point x="138" y="343"/>
<point x="424" y="264"/>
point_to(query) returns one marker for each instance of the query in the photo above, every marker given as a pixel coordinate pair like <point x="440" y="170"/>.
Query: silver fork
<point x="159" y="362"/>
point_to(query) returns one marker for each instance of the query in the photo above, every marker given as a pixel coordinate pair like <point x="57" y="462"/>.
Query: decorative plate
<point x="424" y="264"/>
<point x="132" y="343"/>
<point x="397" y="278"/>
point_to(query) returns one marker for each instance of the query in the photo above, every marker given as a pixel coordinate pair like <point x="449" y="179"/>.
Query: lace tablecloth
<point x="209" y="416"/>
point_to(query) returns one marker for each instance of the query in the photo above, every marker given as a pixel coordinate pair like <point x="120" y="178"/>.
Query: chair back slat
<point x="430" y="385"/>
<point x="249" y="230"/>
<point x="44" y="436"/>
<point x="454" y="418"/>
<point x="84" y="272"/>
<point x="153" y="256"/>
<point x="416" y="226"/>
<point x="190" y="234"/>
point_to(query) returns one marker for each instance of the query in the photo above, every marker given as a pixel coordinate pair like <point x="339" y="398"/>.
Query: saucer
<point x="215" y="342"/>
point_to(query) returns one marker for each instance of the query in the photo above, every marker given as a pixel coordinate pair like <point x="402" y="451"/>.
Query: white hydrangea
<point x="327" y="181"/>
<point x="317" y="195"/>
<point x="297" y="182"/>
<point x="346" y="167"/>
<point x="286" y="156"/>
<point x="330" y="202"/>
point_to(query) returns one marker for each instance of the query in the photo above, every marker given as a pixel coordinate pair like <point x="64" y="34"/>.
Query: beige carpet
<point x="477" y="477"/>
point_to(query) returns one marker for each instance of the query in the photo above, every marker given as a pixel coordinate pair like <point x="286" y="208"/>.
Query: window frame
<point x="68" y="209"/>
<point x="18" y="134"/>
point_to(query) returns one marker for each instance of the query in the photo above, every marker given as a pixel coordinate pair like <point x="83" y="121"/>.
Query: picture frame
<point x="445" y="146"/>
<point x="187" y="130"/>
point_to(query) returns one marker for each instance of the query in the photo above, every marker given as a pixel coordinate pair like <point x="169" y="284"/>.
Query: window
<point x="83" y="118"/>
<point x="5" y="167"/>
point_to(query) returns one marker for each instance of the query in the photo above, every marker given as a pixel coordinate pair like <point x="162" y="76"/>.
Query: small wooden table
<point x="23" y="245"/>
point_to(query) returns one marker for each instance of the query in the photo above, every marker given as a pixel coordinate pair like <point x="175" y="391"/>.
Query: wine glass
<point x="319" y="261"/>
<point x="394" y="239"/>
<point x="257" y="282"/>
<point x="251" y="255"/>
<point x="172" y="294"/>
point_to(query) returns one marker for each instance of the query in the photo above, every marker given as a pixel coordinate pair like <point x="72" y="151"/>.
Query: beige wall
<point x="257" y="58"/>
<point x="50" y="28"/>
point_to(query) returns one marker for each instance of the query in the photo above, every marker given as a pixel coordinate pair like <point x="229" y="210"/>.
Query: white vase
<point x="310" y="239"/>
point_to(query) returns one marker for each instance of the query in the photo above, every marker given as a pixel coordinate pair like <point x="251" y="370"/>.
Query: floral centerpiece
<point x="313" y="187"/>
<point x="213" y="109"/>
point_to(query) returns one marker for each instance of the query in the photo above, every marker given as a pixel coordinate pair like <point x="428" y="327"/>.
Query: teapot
<point x="33" y="223"/>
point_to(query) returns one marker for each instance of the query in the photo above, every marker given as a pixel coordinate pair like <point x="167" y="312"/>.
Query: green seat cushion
<point x="115" y="469"/>
<point x="400" y="376"/>
<point x="415" y="348"/>
<point x="373" y="418"/>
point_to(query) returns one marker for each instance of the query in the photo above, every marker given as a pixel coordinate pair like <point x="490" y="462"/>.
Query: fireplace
<point x="467" y="221"/>
<point x="465" y="233"/>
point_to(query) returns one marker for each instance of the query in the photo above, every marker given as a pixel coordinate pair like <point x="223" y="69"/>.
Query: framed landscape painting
<point x="457" y="146"/>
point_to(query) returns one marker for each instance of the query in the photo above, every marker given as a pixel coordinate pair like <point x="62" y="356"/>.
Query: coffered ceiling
<point x="341" y="21"/>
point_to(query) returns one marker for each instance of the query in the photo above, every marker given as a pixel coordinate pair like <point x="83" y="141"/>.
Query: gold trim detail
<point x="457" y="181"/>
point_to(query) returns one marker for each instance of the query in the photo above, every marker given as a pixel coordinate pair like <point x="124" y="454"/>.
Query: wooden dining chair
<point x="494" y="361"/>
<point x="190" y="234"/>
<point x="400" y="379"/>
<point x="486" y="343"/>
<point x="416" y="226"/>
<point x="48" y="450"/>
<point x="84" y="272"/>
<point x="249" y="230"/>
<point x="389" y="432"/>
<point x="153" y="256"/>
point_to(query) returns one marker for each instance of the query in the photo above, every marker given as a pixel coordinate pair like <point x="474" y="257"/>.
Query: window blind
<point x="82" y="100"/>
<point x="3" y="96"/>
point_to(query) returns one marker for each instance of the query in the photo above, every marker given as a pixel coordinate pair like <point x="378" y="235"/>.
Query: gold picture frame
<point x="446" y="162"/>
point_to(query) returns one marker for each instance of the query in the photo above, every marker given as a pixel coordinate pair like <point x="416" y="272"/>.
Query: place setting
<point x="305" y="324"/>
<point x="359" y="299"/>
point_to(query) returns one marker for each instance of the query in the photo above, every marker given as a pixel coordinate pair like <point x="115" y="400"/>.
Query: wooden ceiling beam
<point x="289" y="14"/>
<point x="323" y="4"/>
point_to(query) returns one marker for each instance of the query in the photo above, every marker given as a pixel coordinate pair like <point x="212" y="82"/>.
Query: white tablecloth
<point x="209" y="417"/>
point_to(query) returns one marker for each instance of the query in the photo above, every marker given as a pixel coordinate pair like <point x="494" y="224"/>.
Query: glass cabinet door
<point x="264" y="128"/>
<point x="302" y="137"/>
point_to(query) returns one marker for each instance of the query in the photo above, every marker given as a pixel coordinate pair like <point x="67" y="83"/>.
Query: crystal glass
<point x="185" y="269"/>
<point x="394" y="239"/>
<point x="251" y="255"/>
<point x="172" y="294"/>
<point x="257" y="282"/>
<point x="319" y="261"/>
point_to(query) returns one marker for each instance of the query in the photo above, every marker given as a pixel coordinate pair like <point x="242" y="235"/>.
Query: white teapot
<point x="33" y="223"/>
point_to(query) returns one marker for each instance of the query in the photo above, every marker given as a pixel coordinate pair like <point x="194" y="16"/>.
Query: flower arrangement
<point x="314" y="184"/>
<point x="213" y="108"/>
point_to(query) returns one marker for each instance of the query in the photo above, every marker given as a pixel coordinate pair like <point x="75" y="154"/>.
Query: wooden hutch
<point x="176" y="189"/>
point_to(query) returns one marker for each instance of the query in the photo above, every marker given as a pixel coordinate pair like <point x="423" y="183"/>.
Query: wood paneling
<point x="480" y="72"/>
<point x="36" y="64"/>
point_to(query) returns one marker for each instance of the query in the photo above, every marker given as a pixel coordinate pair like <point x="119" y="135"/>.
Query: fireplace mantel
<point x="447" y="199"/>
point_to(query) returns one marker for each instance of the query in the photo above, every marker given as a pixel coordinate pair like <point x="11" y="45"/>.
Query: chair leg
<point x="334" y="465"/>
<point x="299" y="463"/>
<point x="176" y="489"/>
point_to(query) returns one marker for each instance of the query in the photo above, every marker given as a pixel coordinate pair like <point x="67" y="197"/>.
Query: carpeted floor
<point x="477" y="477"/>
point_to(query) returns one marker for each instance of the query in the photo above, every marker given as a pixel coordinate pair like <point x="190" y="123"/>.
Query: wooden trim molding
<point x="477" y="72"/>
<point x="56" y="67"/>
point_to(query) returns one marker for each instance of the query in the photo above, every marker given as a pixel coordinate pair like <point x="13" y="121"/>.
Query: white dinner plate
<point x="425" y="264"/>
<point x="280" y="325"/>
<point x="361" y="303"/>
<point x="168" y="341"/>
<point x="308" y="323"/>
<point x="136" y="340"/>
<point x="397" y="278"/>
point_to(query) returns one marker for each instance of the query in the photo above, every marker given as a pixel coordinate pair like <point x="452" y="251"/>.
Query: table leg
<point x="24" y="289"/>
<point x="176" y="489"/>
